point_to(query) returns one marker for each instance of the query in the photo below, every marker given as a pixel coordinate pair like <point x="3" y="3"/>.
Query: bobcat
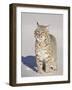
<point x="45" y="50"/>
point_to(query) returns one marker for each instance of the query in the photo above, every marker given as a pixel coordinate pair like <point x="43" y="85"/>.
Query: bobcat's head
<point x="41" y="32"/>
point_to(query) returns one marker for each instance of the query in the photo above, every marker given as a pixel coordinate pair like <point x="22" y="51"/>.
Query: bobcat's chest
<point x="42" y="53"/>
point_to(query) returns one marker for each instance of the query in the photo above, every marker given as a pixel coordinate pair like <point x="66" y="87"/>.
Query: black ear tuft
<point x="34" y="33"/>
<point x="37" y="24"/>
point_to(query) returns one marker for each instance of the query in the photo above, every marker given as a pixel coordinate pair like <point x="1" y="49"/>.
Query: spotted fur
<point x="45" y="50"/>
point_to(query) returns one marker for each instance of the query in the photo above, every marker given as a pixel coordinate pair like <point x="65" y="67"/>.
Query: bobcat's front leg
<point x="47" y="70"/>
<point x="40" y="66"/>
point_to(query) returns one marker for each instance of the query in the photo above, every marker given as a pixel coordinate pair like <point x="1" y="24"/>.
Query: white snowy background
<point x="29" y="24"/>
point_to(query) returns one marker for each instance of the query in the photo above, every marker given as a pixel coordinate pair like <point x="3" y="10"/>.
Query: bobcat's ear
<point x="37" y="24"/>
<point x="47" y="27"/>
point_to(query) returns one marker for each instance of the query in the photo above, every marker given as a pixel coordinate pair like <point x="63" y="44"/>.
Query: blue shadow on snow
<point x="29" y="61"/>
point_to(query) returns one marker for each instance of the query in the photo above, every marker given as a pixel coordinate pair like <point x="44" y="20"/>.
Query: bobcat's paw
<point x="41" y="71"/>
